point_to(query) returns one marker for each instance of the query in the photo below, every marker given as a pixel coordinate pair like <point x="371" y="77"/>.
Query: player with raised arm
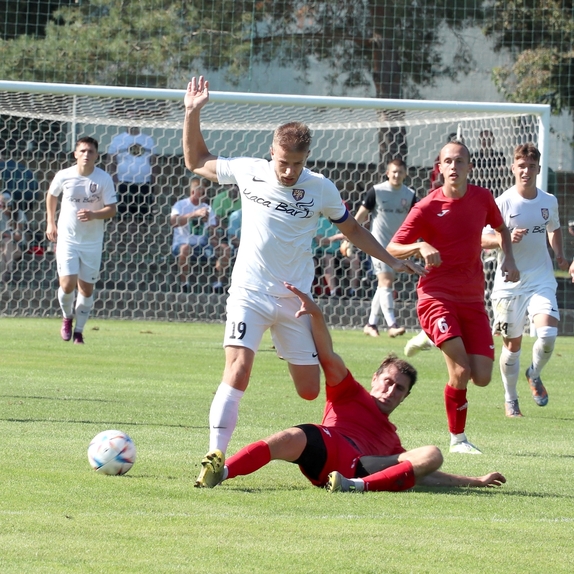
<point x="281" y="203"/>
<point x="88" y="198"/>
<point x="355" y="448"/>
<point x="532" y="217"/>
<point x="445" y="230"/>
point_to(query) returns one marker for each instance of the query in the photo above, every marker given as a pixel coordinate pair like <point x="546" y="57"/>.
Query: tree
<point x="540" y="36"/>
<point x="393" y="45"/>
<point x="19" y="17"/>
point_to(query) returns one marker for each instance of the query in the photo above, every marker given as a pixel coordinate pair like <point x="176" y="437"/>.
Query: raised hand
<point x="197" y="94"/>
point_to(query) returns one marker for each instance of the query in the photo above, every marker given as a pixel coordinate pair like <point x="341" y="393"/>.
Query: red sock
<point x="392" y="479"/>
<point x="456" y="409"/>
<point x="248" y="459"/>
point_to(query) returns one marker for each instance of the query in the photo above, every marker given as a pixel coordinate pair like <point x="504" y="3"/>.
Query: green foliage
<point x="393" y="45"/>
<point x="156" y="380"/>
<point x="540" y="35"/>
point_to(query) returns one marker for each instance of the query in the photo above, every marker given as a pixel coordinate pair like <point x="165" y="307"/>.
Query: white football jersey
<point x="538" y="216"/>
<point x="278" y="224"/>
<point x="92" y="192"/>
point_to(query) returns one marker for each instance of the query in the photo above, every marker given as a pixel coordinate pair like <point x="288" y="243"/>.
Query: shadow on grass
<point x="55" y="398"/>
<point x="112" y="424"/>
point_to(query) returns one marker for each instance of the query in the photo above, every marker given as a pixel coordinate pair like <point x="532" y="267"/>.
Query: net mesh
<point x="140" y="277"/>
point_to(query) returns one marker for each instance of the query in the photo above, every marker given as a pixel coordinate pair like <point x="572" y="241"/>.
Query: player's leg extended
<point x="285" y="445"/>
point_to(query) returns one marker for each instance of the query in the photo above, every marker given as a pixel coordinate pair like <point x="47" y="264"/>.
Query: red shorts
<point x="327" y="450"/>
<point x="444" y="320"/>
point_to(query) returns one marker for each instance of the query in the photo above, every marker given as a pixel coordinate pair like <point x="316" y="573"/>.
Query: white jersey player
<point x="532" y="217"/>
<point x="281" y="203"/>
<point x="88" y="197"/>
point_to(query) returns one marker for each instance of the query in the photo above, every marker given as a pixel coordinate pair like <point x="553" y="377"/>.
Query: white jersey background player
<point x="281" y="203"/>
<point x="88" y="197"/>
<point x="532" y="216"/>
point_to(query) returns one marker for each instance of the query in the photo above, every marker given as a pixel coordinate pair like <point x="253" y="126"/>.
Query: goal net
<point x="140" y="276"/>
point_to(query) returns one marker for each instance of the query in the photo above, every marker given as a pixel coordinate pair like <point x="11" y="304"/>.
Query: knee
<point x="435" y="458"/>
<point x="482" y="379"/>
<point x="547" y="337"/>
<point x="310" y="391"/>
<point x="460" y="375"/>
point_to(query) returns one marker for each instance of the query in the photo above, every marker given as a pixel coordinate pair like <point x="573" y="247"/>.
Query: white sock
<point x="542" y="349"/>
<point x="456" y="438"/>
<point x="223" y="416"/>
<point x="83" y="308"/>
<point x="509" y="371"/>
<point x="359" y="484"/>
<point x="375" y="308"/>
<point x="387" y="305"/>
<point x="66" y="301"/>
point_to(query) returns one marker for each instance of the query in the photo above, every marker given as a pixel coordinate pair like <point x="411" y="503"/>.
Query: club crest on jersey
<point x="545" y="213"/>
<point x="93" y="187"/>
<point x="298" y="194"/>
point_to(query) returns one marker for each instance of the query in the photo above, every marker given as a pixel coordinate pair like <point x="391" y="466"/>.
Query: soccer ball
<point x="112" y="452"/>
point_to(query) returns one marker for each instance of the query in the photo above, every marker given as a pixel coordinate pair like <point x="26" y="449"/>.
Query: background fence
<point x="39" y="124"/>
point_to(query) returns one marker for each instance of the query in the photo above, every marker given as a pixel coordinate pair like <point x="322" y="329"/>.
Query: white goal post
<point x="40" y="122"/>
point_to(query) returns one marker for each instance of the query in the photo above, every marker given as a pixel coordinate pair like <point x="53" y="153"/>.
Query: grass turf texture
<point x="155" y="381"/>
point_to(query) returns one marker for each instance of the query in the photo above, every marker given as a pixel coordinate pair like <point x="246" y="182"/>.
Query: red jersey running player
<point x="445" y="230"/>
<point x="356" y="447"/>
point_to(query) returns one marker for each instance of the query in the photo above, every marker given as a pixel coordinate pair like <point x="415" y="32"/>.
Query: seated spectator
<point x="225" y="203"/>
<point x="329" y="257"/>
<point x="234" y="228"/>
<point x="13" y="233"/>
<point x="133" y="167"/>
<point x="19" y="182"/>
<point x="191" y="219"/>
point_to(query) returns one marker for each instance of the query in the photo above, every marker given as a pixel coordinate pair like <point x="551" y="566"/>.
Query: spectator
<point x="133" y="167"/>
<point x="19" y="182"/>
<point x="330" y="257"/>
<point x="13" y="226"/>
<point x="191" y="219"/>
<point x="489" y="165"/>
<point x="234" y="228"/>
<point x="226" y="202"/>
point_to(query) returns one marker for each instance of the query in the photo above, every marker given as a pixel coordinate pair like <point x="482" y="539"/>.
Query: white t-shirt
<point x="133" y="157"/>
<point x="196" y="231"/>
<point x="92" y="192"/>
<point x="538" y="215"/>
<point x="278" y="224"/>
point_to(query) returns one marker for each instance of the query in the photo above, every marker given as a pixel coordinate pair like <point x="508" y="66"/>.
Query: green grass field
<point x="156" y="380"/>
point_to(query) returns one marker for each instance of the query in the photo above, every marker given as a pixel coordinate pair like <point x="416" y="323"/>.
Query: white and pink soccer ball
<point x="112" y="452"/>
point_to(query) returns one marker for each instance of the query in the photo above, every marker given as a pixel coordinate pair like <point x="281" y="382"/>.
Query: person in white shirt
<point x="88" y="198"/>
<point x="190" y="219"/>
<point x="532" y="217"/>
<point x="281" y="202"/>
<point x="133" y="166"/>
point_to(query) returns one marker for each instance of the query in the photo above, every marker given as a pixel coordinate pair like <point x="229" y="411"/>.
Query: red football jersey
<point x="352" y="411"/>
<point x="454" y="227"/>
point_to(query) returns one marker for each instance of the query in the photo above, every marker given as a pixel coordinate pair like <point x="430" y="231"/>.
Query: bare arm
<point x="197" y="157"/>
<point x="421" y="249"/>
<point x="362" y="215"/>
<point x="333" y="366"/>
<point x="555" y="240"/>
<point x="364" y="240"/>
<point x="439" y="478"/>
<point x="106" y="212"/>
<point x="508" y="266"/>
<point x="179" y="220"/>
<point x="51" y="227"/>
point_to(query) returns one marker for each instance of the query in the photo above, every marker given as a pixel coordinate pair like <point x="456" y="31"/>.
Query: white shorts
<point x="380" y="267"/>
<point x="79" y="260"/>
<point x="510" y="312"/>
<point x="251" y="313"/>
